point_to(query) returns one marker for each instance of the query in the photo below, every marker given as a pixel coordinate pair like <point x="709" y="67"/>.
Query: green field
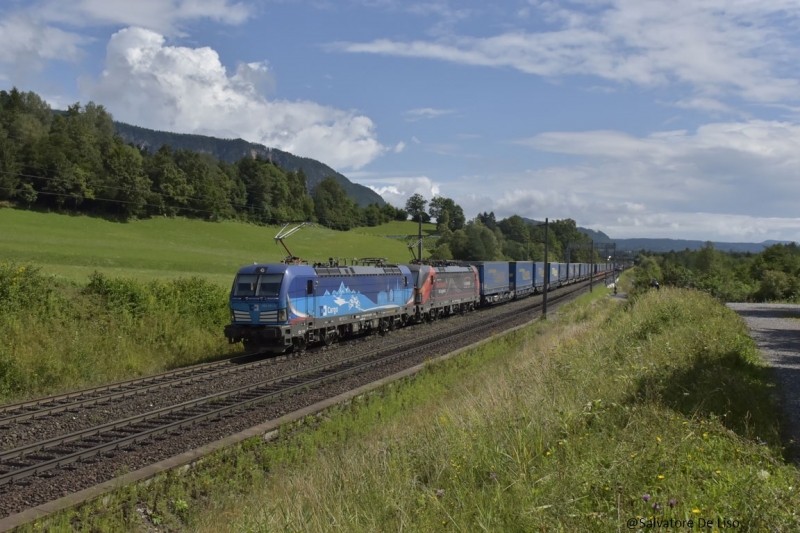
<point x="74" y="246"/>
<point x="397" y="227"/>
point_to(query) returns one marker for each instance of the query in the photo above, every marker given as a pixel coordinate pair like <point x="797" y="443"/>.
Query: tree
<point x="332" y="206"/>
<point x="170" y="185"/>
<point x="442" y="251"/>
<point x="488" y="220"/>
<point x="126" y="180"/>
<point x="515" y="228"/>
<point x="566" y="231"/>
<point x="475" y="242"/>
<point x="446" y="212"/>
<point x="416" y="207"/>
<point x="372" y="215"/>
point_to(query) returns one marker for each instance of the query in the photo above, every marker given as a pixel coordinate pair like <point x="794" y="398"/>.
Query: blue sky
<point x="640" y="118"/>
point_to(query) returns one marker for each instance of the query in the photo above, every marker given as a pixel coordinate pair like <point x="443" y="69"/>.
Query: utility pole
<point x="420" y="237"/>
<point x="591" y="267"/>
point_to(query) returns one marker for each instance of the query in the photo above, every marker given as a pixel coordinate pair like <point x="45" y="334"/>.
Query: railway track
<point x="73" y="401"/>
<point x="53" y="457"/>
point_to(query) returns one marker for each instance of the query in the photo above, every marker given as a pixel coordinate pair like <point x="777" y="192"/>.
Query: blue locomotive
<point x="279" y="307"/>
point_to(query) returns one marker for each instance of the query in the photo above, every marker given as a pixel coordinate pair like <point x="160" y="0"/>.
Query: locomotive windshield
<point x="255" y="285"/>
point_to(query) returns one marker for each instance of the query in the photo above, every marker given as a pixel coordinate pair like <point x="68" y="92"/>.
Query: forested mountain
<point x="232" y="150"/>
<point x="75" y="161"/>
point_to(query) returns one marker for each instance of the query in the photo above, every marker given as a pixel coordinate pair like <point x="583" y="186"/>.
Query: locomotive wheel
<point x="299" y="345"/>
<point x="329" y="338"/>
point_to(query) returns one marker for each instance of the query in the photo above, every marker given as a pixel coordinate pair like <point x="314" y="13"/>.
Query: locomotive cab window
<point x="247" y="285"/>
<point x="269" y="284"/>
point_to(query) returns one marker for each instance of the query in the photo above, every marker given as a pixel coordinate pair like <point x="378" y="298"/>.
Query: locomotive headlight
<point x="281" y="315"/>
<point x="233" y="318"/>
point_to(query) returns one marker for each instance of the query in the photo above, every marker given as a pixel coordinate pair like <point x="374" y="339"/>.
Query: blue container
<point x="553" y="281"/>
<point x="494" y="278"/>
<point x="521" y="277"/>
<point x="538" y="276"/>
<point x="563" y="272"/>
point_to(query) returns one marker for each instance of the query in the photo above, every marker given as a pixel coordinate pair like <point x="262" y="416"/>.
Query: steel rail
<point x="87" y="439"/>
<point x="51" y="405"/>
<point x="66" y="402"/>
<point x="43" y="450"/>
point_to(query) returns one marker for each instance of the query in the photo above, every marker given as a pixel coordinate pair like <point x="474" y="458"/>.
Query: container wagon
<point x="493" y="275"/>
<point x="538" y="276"/>
<point x="520" y="275"/>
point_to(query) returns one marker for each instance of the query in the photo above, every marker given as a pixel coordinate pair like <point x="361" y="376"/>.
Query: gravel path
<point x="776" y="330"/>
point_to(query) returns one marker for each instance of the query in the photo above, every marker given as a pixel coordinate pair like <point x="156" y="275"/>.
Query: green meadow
<point x="396" y="228"/>
<point x="73" y="247"/>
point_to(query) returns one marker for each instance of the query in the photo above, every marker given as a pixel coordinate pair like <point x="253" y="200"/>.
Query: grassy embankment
<point x="160" y="301"/>
<point x="614" y="412"/>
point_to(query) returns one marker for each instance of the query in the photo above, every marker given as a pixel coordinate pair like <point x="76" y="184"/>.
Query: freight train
<point x="278" y="307"/>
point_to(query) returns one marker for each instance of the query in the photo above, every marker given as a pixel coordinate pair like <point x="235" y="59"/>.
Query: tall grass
<point x="58" y="335"/>
<point x="654" y="409"/>
<point x="662" y="411"/>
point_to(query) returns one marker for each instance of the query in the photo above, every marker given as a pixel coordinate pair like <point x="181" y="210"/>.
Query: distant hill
<point x="231" y="150"/>
<point x="597" y="236"/>
<point x="668" y="245"/>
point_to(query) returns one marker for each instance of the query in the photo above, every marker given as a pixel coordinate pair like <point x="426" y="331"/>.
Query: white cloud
<point x="413" y="115"/>
<point x="415" y="140"/>
<point x="399" y="147"/>
<point x="713" y="46"/>
<point x="164" y="16"/>
<point x="724" y="181"/>
<point x="397" y="190"/>
<point x="28" y="45"/>
<point x="33" y="35"/>
<point x="778" y="142"/>
<point x="188" y="90"/>
<point x="704" y="226"/>
<point x="705" y="104"/>
<point x="613" y="213"/>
